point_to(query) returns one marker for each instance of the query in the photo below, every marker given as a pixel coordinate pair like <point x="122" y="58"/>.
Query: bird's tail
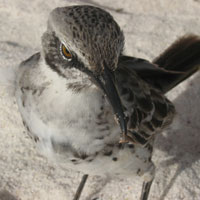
<point x="181" y="59"/>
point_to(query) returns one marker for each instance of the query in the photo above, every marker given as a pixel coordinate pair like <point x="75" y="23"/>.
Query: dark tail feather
<point x="182" y="56"/>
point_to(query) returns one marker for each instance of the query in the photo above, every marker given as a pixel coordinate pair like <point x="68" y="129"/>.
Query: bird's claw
<point x="124" y="139"/>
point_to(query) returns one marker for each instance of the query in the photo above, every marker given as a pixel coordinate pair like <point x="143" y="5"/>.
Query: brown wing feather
<point x="147" y="110"/>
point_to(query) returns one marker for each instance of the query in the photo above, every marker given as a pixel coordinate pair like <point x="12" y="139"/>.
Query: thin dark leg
<point x="80" y="187"/>
<point x="145" y="190"/>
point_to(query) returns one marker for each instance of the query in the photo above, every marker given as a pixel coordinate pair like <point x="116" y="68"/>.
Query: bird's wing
<point x="178" y="62"/>
<point x="141" y="85"/>
<point x="157" y="76"/>
<point x="147" y="110"/>
<point x="32" y="60"/>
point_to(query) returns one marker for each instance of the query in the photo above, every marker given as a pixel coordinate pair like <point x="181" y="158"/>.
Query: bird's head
<point x="86" y="39"/>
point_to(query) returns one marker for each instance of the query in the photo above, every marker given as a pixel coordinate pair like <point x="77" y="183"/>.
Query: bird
<point x="92" y="108"/>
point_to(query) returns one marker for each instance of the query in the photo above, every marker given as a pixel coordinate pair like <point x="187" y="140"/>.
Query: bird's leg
<point x="145" y="190"/>
<point x="80" y="187"/>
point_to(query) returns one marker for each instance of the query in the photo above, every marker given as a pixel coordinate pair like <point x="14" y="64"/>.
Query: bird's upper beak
<point x="106" y="82"/>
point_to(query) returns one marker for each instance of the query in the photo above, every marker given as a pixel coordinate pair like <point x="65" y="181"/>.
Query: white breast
<point x="57" y="115"/>
<point x="53" y="111"/>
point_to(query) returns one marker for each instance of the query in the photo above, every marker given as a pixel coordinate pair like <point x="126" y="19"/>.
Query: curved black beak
<point x="106" y="83"/>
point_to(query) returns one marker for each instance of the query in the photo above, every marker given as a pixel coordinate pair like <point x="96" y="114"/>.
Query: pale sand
<point x="149" y="27"/>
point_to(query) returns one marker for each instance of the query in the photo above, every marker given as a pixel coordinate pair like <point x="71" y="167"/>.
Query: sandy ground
<point x="149" y="27"/>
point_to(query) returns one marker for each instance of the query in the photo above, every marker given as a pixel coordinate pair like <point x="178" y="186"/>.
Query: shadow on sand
<point x="183" y="145"/>
<point x="5" y="195"/>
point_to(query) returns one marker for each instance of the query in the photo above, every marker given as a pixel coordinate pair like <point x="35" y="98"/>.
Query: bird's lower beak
<point x="106" y="83"/>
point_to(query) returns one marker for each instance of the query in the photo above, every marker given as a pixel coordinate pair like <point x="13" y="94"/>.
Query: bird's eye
<point x="65" y="52"/>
